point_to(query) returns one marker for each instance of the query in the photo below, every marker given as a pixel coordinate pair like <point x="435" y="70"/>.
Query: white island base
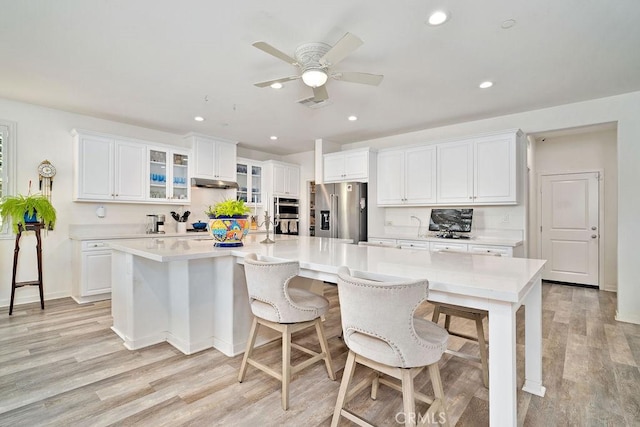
<point x="192" y="304"/>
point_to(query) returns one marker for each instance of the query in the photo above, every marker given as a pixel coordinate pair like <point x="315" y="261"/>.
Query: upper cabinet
<point x="118" y="169"/>
<point x="282" y="179"/>
<point x="108" y="169"/>
<point x="481" y="170"/>
<point x="407" y="176"/>
<point x="345" y="166"/>
<point x="213" y="158"/>
<point x="250" y="186"/>
<point x="169" y="175"/>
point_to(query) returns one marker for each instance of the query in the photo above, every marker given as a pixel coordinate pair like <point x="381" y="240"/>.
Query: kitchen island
<point x="194" y="296"/>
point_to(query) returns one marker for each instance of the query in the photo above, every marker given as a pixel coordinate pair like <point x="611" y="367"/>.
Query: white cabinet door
<point x="226" y="161"/>
<point x="293" y="181"/>
<point x="96" y="272"/>
<point x="279" y="180"/>
<point x="130" y="171"/>
<point x="334" y="167"/>
<point x="495" y="170"/>
<point x="356" y="166"/>
<point x="455" y="173"/>
<point x="491" y="250"/>
<point x="420" y="175"/>
<point x="204" y="151"/>
<point x="95" y="168"/>
<point x="391" y="177"/>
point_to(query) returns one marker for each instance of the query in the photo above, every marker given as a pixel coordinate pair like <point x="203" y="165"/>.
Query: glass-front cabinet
<point x="168" y="175"/>
<point x="249" y="176"/>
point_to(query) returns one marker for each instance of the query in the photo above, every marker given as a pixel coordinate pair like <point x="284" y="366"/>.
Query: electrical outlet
<point x="388" y="223"/>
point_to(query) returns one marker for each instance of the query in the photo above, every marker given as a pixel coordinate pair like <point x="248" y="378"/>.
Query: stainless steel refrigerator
<point x="341" y="211"/>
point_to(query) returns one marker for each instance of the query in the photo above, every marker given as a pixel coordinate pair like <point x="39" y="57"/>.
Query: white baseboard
<point x="629" y="318"/>
<point x="32" y="298"/>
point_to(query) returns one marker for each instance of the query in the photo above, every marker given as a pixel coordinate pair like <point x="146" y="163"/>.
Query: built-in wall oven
<point x="287" y="215"/>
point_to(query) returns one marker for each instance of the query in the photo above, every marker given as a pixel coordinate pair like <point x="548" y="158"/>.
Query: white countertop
<point x="474" y="275"/>
<point x="476" y="240"/>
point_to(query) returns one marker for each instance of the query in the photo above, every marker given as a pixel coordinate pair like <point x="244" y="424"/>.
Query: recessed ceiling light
<point x="276" y="85"/>
<point x="508" y="23"/>
<point x="438" y="17"/>
<point x="198" y="119"/>
<point x="352" y="118"/>
<point x="486" y="85"/>
<point x="273" y="137"/>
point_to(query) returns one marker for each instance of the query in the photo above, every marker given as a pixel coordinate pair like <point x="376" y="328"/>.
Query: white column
<point x="533" y="340"/>
<point x="502" y="364"/>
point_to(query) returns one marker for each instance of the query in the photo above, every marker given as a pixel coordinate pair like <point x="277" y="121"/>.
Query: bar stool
<point x="390" y="341"/>
<point x="286" y="310"/>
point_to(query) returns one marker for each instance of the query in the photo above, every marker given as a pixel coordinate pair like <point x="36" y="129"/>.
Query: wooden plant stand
<point x="37" y="227"/>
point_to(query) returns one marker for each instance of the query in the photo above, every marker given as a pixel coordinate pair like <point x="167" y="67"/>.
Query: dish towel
<point x="284" y="226"/>
<point x="293" y="226"/>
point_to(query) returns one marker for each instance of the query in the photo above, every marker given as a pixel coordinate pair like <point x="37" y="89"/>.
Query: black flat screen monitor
<point x="451" y="220"/>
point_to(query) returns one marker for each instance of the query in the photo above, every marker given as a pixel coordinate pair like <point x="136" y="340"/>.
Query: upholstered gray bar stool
<point x="392" y="342"/>
<point x="286" y="310"/>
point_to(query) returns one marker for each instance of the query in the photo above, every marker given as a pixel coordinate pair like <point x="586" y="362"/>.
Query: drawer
<point x="382" y="242"/>
<point x="442" y="246"/>
<point x="490" y="249"/>
<point x="410" y="244"/>
<point x="94" y="245"/>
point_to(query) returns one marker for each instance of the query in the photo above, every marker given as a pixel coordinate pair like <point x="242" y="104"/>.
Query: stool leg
<point x="39" y="256"/>
<point x="447" y="321"/>
<point x="324" y="346"/>
<point x="247" y="352"/>
<point x="286" y="366"/>
<point x="436" y="314"/>
<point x="408" y="398"/>
<point x="16" y="251"/>
<point x="436" y="382"/>
<point x="484" y="354"/>
<point x="347" y="375"/>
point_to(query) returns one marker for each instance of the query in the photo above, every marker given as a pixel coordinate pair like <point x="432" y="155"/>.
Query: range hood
<point x="213" y="183"/>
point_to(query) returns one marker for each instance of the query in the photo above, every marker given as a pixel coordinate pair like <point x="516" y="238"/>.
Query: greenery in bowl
<point x="18" y="206"/>
<point x="228" y="208"/>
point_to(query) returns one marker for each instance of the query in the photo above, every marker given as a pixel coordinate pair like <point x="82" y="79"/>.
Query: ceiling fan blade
<point x="320" y="93"/>
<point x="363" y="78"/>
<point x="267" y="48"/>
<point x="347" y="44"/>
<point x="282" y="80"/>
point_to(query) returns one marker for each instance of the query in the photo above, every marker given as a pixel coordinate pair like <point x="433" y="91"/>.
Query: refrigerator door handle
<point x="334" y="216"/>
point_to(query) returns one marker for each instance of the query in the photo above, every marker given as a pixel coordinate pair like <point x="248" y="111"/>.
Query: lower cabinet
<point x="91" y="271"/>
<point x="507" y="251"/>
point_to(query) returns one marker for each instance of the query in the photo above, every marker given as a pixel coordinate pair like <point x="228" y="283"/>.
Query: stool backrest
<point x="382" y="311"/>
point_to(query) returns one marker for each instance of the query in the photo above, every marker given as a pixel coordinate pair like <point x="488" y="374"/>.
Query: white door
<point x="569" y="227"/>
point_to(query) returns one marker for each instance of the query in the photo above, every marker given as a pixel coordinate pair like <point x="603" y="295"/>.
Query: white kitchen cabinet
<point x="91" y="271"/>
<point x="482" y="170"/>
<point x="491" y="250"/>
<point x="249" y="179"/>
<point x="347" y="166"/>
<point x="213" y="158"/>
<point x="282" y="179"/>
<point x="407" y="176"/>
<point x="108" y="169"/>
<point x="414" y="244"/>
<point x="168" y="175"/>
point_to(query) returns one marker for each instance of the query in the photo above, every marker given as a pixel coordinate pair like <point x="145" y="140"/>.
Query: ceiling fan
<point x="315" y="61"/>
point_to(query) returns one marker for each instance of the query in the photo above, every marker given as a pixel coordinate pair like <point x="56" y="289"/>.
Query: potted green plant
<point x="228" y="222"/>
<point x="27" y="209"/>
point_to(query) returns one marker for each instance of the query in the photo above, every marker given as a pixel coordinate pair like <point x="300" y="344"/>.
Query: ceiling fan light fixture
<point x="314" y="77"/>
<point x="198" y="119"/>
<point x="485" y="85"/>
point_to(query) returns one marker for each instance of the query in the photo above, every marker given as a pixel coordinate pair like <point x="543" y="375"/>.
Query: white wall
<point x="585" y="152"/>
<point x="622" y="109"/>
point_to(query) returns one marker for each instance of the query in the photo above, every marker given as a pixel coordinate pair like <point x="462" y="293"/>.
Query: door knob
<point x="593" y="236"/>
<point x="594" y="228"/>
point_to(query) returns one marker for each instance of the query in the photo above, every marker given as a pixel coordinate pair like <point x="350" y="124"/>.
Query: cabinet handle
<point x="470" y="197"/>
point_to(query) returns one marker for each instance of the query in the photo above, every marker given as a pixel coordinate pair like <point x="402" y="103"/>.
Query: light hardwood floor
<point x="64" y="367"/>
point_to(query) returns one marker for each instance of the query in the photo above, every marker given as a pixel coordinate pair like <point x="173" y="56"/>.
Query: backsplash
<point x="488" y="221"/>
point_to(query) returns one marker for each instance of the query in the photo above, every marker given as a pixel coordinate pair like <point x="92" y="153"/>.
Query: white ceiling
<point x="159" y="63"/>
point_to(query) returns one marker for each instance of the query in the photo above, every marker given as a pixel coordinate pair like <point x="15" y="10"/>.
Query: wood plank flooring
<point x="64" y="367"/>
